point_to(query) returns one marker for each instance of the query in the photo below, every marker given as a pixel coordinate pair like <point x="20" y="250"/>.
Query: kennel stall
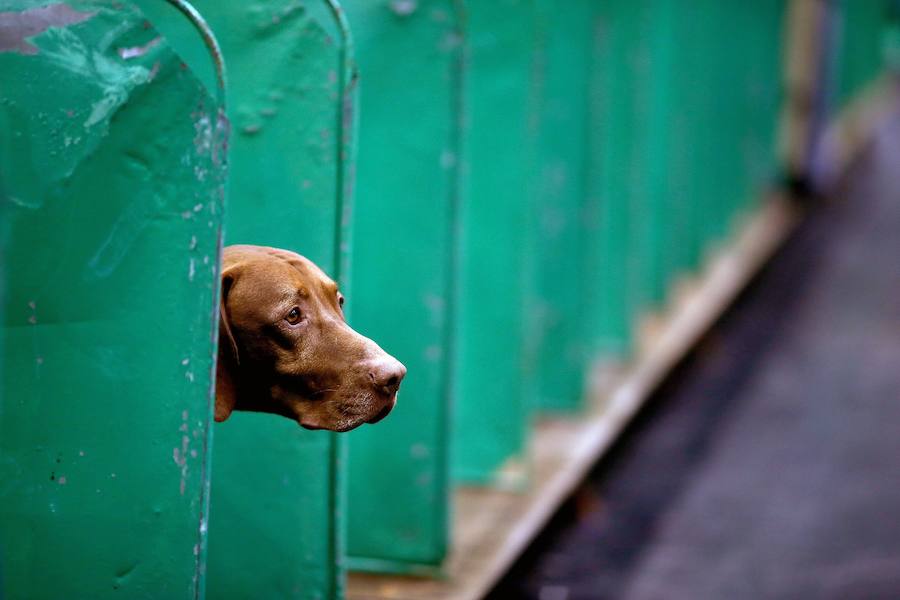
<point x="557" y="191"/>
<point x="290" y="83"/>
<point x="405" y="226"/>
<point x="113" y="173"/>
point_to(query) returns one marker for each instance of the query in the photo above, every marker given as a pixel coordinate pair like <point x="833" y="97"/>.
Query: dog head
<point x="285" y="347"/>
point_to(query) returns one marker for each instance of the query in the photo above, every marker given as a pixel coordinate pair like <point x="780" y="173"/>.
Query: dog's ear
<point x="228" y="360"/>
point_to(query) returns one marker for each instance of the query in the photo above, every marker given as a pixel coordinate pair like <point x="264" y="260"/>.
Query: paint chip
<point x="404" y="8"/>
<point x="135" y="51"/>
<point x="17" y="27"/>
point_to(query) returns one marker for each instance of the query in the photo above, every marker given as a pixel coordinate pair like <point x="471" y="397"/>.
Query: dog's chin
<point x="345" y="423"/>
<point x="339" y="425"/>
<point x="384" y="411"/>
<point x="342" y="425"/>
<point x="309" y="425"/>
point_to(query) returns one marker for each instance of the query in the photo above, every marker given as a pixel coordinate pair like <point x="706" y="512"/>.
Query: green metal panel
<point x="404" y="220"/>
<point x="762" y="101"/>
<point x="699" y="102"/>
<point x="686" y="97"/>
<point x="275" y="522"/>
<point x="860" y="47"/>
<point x="492" y="418"/>
<point x="556" y="353"/>
<point x="737" y="99"/>
<point x="614" y="174"/>
<point x="685" y="105"/>
<point x="111" y="158"/>
<point x="662" y="225"/>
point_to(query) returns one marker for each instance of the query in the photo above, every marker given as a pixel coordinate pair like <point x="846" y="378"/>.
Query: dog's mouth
<point x="348" y="421"/>
<point x="381" y="414"/>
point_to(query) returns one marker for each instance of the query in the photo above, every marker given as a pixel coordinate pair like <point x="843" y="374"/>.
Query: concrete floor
<point x="768" y="466"/>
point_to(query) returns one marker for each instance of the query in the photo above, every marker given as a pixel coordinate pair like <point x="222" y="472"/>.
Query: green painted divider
<point x="405" y="210"/>
<point x="616" y="128"/>
<point x="275" y="504"/>
<point x="736" y="98"/>
<point x="112" y="165"/>
<point x="860" y="45"/>
<point x="663" y="227"/>
<point x="492" y="418"/>
<point x="556" y="354"/>
<point x="276" y="508"/>
<point x="682" y="140"/>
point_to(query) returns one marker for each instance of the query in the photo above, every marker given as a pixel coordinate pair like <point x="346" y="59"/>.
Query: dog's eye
<point x="294" y="316"/>
<point x="341" y="300"/>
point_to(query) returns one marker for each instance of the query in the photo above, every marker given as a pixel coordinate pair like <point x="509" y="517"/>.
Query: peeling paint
<point x="135" y="51"/>
<point x="404" y="8"/>
<point x="448" y="159"/>
<point x="17" y="27"/>
<point x="133" y="219"/>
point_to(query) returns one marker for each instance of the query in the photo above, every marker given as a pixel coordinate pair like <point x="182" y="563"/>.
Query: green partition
<point x="616" y="126"/>
<point x="685" y="105"/>
<point x="664" y="226"/>
<point x="556" y="344"/>
<point x="492" y="418"/>
<point x="112" y="167"/>
<point x="761" y="99"/>
<point x="405" y="210"/>
<point x="860" y="44"/>
<point x="275" y="507"/>
<point x="734" y="101"/>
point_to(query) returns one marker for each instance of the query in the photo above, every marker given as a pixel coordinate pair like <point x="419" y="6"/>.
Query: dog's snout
<point x="387" y="373"/>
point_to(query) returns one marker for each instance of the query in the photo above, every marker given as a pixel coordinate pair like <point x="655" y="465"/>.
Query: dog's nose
<point x="387" y="373"/>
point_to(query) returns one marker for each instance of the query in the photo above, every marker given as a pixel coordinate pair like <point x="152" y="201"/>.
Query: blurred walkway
<point x="769" y="465"/>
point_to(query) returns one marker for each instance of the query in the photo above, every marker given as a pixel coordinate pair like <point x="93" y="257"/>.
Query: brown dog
<point x="285" y="348"/>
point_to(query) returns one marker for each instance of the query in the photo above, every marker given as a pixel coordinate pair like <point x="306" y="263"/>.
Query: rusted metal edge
<point x="212" y="44"/>
<point x="344" y="158"/>
<point x="221" y="134"/>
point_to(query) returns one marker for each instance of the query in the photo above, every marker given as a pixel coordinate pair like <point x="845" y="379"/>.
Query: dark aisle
<point x="768" y="466"/>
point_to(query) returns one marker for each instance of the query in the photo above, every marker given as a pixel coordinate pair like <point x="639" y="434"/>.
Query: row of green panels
<point x="526" y="180"/>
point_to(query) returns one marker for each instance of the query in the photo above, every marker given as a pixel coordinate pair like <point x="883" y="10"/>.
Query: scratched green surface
<point x="555" y="346"/>
<point x="111" y="165"/>
<point x="492" y="416"/>
<point x="275" y="504"/>
<point x="405" y="206"/>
